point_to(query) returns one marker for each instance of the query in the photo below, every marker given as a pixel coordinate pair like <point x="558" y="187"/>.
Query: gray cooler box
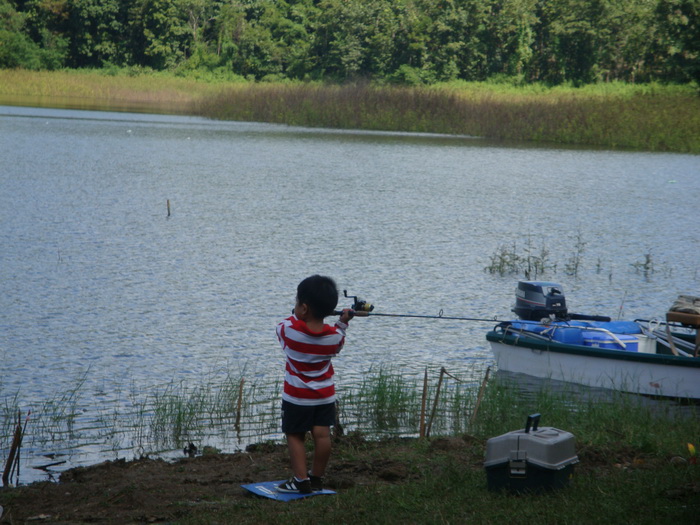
<point x="530" y="460"/>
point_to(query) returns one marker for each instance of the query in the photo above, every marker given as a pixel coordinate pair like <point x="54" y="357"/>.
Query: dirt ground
<point x="153" y="490"/>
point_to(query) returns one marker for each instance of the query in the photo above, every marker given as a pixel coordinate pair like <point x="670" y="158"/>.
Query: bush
<point x="410" y="76"/>
<point x="17" y="50"/>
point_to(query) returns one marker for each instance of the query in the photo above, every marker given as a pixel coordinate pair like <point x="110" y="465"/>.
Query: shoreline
<point x="617" y="117"/>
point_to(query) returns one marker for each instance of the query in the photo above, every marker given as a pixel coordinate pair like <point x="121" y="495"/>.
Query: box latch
<point x="518" y="463"/>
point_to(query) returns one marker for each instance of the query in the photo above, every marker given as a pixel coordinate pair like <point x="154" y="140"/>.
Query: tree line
<point x="401" y="41"/>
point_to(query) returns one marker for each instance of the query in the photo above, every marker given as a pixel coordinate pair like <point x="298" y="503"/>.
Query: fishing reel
<point x="358" y="304"/>
<point x="360" y="307"/>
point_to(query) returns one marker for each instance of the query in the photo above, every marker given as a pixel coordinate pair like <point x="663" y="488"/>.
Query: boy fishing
<point x="308" y="399"/>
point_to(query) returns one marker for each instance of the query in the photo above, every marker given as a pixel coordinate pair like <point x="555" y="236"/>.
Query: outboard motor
<point x="536" y="300"/>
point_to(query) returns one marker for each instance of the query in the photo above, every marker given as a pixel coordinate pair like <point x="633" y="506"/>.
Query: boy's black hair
<point x="320" y="293"/>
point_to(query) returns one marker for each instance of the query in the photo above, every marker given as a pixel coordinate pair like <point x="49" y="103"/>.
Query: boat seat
<point x="687" y="320"/>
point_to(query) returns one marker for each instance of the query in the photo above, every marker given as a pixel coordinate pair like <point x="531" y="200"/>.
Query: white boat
<point x="640" y="357"/>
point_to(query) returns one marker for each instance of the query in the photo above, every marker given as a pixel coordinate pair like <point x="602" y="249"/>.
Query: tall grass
<point x="228" y="410"/>
<point x="8" y="417"/>
<point x="637" y="120"/>
<point x="533" y="262"/>
<point x="385" y="404"/>
<point x="647" y="117"/>
<point x="133" y="90"/>
<point x="55" y="419"/>
<point x="599" y="418"/>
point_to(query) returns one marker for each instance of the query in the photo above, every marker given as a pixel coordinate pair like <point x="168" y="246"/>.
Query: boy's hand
<point x="347" y="314"/>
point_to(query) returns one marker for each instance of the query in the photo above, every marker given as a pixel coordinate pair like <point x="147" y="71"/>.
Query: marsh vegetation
<point x="640" y="117"/>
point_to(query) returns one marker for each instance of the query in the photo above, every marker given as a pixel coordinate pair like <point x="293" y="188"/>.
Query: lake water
<point x="104" y="293"/>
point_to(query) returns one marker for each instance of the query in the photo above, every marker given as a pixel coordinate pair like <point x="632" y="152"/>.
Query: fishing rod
<point x="362" y="308"/>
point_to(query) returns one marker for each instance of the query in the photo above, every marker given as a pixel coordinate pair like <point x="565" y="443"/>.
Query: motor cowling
<point x="537" y="300"/>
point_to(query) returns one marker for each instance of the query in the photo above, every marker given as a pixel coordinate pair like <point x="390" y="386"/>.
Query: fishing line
<point x="440" y="315"/>
<point x="362" y="308"/>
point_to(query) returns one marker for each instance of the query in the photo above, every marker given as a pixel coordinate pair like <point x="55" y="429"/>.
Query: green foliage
<point x="17" y="50"/>
<point x="160" y="32"/>
<point x="679" y="37"/>
<point x="410" y="76"/>
<point x="96" y="27"/>
<point x="412" y="42"/>
<point x="17" y="47"/>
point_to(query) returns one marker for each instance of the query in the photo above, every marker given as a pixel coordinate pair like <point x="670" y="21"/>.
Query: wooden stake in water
<point x="478" y="398"/>
<point x="16" y="440"/>
<point x="168" y="204"/>
<point x="238" y="408"/>
<point x="435" y="403"/>
<point x="421" y="431"/>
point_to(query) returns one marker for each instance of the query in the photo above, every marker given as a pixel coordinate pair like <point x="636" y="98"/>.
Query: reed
<point x="230" y="410"/>
<point x="645" y="266"/>
<point x="573" y="265"/>
<point x="388" y="403"/>
<point x="385" y="403"/>
<point x="531" y="262"/>
<point x="8" y="410"/>
<point x="175" y="414"/>
<point x="643" y="117"/>
<point x="536" y="262"/>
<point x="506" y="260"/>
<point x="628" y="119"/>
<point x="55" y="419"/>
<point x="178" y="413"/>
<point x="132" y="89"/>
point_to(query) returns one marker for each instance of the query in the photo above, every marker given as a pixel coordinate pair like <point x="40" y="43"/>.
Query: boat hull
<point x="638" y="373"/>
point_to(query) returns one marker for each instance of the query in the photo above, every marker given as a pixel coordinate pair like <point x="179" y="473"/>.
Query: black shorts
<point x="298" y="419"/>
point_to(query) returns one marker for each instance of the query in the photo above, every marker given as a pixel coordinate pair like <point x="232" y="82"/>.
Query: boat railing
<point x="678" y="343"/>
<point x="548" y="333"/>
<point x="517" y="332"/>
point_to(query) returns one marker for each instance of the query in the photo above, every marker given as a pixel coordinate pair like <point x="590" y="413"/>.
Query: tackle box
<point x="530" y="460"/>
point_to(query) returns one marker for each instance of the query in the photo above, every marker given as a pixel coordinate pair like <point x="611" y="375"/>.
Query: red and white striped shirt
<point x="308" y="378"/>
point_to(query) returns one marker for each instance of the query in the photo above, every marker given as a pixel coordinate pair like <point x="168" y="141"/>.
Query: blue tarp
<point x="268" y="489"/>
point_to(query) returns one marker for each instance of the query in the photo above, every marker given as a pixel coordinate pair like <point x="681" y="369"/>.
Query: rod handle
<point x="355" y="313"/>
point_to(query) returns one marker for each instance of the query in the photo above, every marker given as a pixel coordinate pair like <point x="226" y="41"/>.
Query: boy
<point x="308" y="399"/>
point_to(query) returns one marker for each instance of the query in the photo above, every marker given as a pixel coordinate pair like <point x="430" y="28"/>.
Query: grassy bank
<point x="652" y="118"/>
<point x="635" y="465"/>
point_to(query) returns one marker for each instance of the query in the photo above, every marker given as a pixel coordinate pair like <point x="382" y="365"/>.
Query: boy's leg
<point x="322" y="450"/>
<point x="297" y="454"/>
